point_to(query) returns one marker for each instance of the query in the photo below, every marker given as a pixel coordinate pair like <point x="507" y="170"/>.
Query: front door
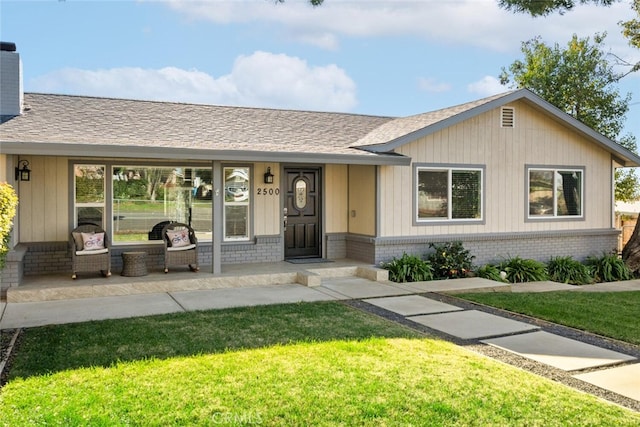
<point x="302" y="213"/>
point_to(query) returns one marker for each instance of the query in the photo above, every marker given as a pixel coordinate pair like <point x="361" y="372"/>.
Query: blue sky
<point x="391" y="58"/>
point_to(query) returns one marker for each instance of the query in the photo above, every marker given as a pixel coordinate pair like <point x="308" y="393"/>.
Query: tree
<point x="579" y="80"/>
<point x="535" y="8"/>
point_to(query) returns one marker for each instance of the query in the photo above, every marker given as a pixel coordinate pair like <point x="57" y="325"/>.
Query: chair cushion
<point x="92" y="252"/>
<point x="77" y="238"/>
<point x="93" y="241"/>
<point x="179" y="238"/>
<point x="180" y="248"/>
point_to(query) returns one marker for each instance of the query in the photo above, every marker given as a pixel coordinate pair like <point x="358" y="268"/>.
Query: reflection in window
<point x="555" y="193"/>
<point x="237" y="192"/>
<point x="89" y="206"/>
<point x="145" y="198"/>
<point x="449" y="194"/>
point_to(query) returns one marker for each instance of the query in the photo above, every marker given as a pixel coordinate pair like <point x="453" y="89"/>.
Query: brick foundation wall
<point x="13" y="271"/>
<point x="262" y="249"/>
<point x="336" y="246"/>
<point x="491" y="248"/>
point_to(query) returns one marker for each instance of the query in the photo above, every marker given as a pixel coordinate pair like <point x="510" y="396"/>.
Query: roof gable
<point x="395" y="133"/>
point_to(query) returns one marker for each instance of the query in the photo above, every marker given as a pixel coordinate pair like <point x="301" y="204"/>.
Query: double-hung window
<point x="448" y="194"/>
<point x="555" y="192"/>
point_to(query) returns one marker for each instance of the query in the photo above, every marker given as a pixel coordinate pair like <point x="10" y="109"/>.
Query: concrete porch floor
<point x="58" y="286"/>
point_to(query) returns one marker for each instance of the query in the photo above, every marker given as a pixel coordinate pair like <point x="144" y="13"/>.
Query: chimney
<point x="10" y="81"/>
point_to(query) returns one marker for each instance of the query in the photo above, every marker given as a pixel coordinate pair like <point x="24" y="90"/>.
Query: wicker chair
<point x="180" y="246"/>
<point x="85" y="260"/>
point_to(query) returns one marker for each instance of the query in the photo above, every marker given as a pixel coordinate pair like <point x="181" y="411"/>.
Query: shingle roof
<point x="401" y="127"/>
<point x="77" y="125"/>
<point x="92" y="122"/>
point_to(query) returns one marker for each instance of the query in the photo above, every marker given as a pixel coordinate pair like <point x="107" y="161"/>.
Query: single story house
<point x="507" y="175"/>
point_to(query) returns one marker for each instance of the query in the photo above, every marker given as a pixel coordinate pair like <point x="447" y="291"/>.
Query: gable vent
<point x="508" y="117"/>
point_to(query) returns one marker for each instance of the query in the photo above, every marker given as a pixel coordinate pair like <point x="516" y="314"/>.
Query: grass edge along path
<point x="405" y="380"/>
<point x="610" y="314"/>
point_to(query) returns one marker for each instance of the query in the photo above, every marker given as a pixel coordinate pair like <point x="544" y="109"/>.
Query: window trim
<point x="554" y="218"/>
<point x="418" y="167"/>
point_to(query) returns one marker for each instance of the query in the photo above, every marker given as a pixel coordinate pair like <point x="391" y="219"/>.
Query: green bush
<point x="565" y="269"/>
<point x="489" y="271"/>
<point x="524" y="270"/>
<point x="609" y="268"/>
<point x="408" y="268"/>
<point x="450" y="260"/>
<point x="8" y="205"/>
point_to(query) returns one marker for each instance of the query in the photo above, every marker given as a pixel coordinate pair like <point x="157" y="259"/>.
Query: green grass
<point x="612" y="314"/>
<point x="295" y="365"/>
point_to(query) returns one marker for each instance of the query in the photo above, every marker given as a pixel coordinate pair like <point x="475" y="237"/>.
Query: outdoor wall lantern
<point x="268" y="176"/>
<point x="22" y="171"/>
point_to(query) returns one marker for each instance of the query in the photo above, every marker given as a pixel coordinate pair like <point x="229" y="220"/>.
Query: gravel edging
<point x="554" y="374"/>
<point x="8" y="340"/>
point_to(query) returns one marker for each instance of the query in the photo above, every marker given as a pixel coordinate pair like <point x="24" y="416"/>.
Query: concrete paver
<point x="624" y="380"/>
<point x="30" y="314"/>
<point x="471" y="324"/>
<point x="239" y="297"/>
<point x="411" y="305"/>
<point x="357" y="287"/>
<point x="560" y="352"/>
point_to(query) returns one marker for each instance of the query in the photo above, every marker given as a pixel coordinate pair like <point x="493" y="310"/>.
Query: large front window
<point x="448" y="194"/>
<point x="237" y="195"/>
<point x="555" y="192"/>
<point x="145" y="198"/>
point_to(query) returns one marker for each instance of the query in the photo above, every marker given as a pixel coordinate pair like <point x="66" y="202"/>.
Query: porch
<point x="60" y="286"/>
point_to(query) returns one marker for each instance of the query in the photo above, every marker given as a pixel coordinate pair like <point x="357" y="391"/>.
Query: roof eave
<point x="166" y="153"/>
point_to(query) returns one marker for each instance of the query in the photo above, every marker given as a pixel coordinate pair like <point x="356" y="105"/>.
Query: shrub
<point x="524" y="270"/>
<point x="565" y="269"/>
<point x="408" y="268"/>
<point x="489" y="271"/>
<point x="8" y="205"/>
<point x="609" y="268"/>
<point x="450" y="260"/>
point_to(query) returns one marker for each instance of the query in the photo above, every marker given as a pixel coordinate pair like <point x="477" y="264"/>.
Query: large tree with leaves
<point x="579" y="80"/>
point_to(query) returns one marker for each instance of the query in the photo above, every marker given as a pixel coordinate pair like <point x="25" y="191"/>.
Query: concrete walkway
<point x="615" y="371"/>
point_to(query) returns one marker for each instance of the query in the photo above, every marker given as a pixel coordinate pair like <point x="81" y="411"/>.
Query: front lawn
<point x="611" y="314"/>
<point x="299" y="364"/>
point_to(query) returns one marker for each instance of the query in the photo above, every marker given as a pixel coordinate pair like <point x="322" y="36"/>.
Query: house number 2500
<point x="268" y="191"/>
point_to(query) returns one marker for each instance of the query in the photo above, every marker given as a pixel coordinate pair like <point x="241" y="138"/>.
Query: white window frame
<point x="102" y="205"/>
<point x="246" y="203"/>
<point x="554" y="171"/>
<point x="449" y="170"/>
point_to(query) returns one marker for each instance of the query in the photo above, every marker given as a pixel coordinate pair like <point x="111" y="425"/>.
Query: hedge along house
<point x="506" y="175"/>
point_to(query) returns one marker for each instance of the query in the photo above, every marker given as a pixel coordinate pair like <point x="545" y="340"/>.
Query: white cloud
<point x="259" y="80"/>
<point x="486" y="86"/>
<point x="432" y="85"/>
<point x="479" y="23"/>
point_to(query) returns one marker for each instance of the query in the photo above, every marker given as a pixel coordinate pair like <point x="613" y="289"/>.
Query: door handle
<point x="285" y="218"/>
